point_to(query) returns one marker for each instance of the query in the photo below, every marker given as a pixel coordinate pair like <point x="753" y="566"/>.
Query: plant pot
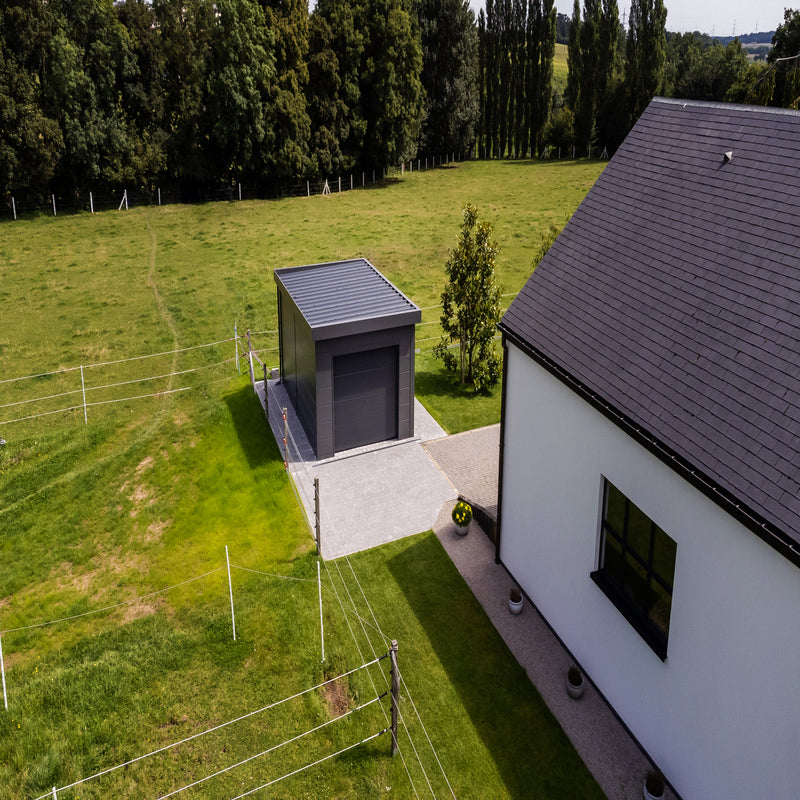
<point x="461" y="530"/>
<point x="575" y="684"/>
<point x="515" y="602"/>
<point x="654" y="787"/>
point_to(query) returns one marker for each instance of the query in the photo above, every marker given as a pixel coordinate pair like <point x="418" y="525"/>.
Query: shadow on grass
<point x="441" y="384"/>
<point x="252" y="429"/>
<point x="532" y="754"/>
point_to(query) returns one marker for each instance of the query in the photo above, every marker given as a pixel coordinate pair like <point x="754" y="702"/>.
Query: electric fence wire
<point x="109" y="608"/>
<point x="400" y="713"/>
<point x="270" y="749"/>
<point x="329" y="525"/>
<point x="308" y="766"/>
<point x="117" y="361"/>
<point x="301" y="461"/>
<point x="213" y="729"/>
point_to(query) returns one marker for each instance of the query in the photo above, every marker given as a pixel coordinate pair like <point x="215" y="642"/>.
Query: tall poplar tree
<point x="645" y="54"/>
<point x="286" y="143"/>
<point x="449" y="75"/>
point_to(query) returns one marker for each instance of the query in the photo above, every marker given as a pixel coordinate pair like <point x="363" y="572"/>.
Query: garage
<point x="346" y="337"/>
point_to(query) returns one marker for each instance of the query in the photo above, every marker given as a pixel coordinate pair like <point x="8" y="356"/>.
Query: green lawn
<point x="148" y="494"/>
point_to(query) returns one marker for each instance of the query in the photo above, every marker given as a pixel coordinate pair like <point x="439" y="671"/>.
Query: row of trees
<point x="517" y="44"/>
<point x="198" y="92"/>
<point x="190" y="93"/>
<point x="613" y="75"/>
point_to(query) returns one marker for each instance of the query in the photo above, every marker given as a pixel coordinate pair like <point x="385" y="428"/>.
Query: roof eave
<point x="739" y="510"/>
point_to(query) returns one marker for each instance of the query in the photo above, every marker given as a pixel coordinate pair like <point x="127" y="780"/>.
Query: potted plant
<point x="515" y="600"/>
<point x="462" y="514"/>
<point x="654" y="785"/>
<point x="574" y="683"/>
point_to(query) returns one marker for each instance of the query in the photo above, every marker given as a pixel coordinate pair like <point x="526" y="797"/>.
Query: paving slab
<point x="471" y="461"/>
<point x="370" y="495"/>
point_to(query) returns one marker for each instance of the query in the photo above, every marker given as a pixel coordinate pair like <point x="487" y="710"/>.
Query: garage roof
<point x="341" y="298"/>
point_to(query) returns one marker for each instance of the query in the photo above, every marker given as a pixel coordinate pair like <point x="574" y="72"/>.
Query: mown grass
<point x="150" y="491"/>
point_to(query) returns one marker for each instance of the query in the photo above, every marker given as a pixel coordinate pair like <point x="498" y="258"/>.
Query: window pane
<point x="637" y="568"/>
<point x="664" y="557"/>
<point x="615" y="508"/>
<point x="639" y="532"/>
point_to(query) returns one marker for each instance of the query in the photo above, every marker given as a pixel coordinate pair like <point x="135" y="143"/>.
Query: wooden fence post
<point x="395" y="693"/>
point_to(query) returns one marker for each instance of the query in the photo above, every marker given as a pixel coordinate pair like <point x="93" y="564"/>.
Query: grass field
<point x="150" y="491"/>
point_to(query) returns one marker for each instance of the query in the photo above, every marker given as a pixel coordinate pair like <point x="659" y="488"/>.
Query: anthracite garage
<point x="346" y="354"/>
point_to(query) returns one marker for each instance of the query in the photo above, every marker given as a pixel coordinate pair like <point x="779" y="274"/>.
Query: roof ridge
<point x="676" y="101"/>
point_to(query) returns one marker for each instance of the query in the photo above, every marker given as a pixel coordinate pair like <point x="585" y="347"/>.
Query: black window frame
<point x="635" y="613"/>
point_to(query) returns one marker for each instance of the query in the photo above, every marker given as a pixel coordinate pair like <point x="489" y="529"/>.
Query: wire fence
<point x="124" y="198"/>
<point x="348" y="591"/>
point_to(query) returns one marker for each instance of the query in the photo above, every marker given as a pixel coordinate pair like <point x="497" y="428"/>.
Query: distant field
<point x="148" y="494"/>
<point x="560" y="68"/>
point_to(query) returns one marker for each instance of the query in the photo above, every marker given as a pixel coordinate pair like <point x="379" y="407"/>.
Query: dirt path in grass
<point x="160" y="304"/>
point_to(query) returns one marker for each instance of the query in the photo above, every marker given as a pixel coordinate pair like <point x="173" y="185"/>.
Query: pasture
<point x="130" y="507"/>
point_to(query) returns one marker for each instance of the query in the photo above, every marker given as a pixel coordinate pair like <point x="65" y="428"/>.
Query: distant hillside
<point x="765" y="37"/>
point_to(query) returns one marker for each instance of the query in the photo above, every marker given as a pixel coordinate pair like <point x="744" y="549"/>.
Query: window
<point x="636" y="568"/>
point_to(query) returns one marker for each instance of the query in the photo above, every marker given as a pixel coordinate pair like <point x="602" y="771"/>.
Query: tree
<point x="30" y="141"/>
<point x="391" y="89"/>
<point x="645" y="53"/>
<point x="449" y="75"/>
<point x="471" y="305"/>
<point x="786" y="46"/>
<point x="287" y="141"/>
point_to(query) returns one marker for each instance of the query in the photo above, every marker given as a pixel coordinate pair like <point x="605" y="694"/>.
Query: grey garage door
<point x="364" y="398"/>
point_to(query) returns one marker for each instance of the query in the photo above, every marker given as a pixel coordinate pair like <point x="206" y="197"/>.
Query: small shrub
<point x="574" y="676"/>
<point x="462" y="513"/>
<point x="654" y="783"/>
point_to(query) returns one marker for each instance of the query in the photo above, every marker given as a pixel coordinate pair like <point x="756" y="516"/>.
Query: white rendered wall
<point x="721" y="716"/>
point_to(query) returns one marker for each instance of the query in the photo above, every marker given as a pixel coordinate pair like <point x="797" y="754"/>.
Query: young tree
<point x="471" y="305"/>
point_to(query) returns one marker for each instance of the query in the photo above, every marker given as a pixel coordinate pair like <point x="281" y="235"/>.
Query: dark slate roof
<point x="672" y="297"/>
<point x="342" y="298"/>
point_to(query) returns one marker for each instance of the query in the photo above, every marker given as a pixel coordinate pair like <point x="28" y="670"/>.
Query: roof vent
<point x="728" y="156"/>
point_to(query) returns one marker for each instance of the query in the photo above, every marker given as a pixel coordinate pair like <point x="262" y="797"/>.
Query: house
<point x="346" y="341"/>
<point x="649" y="499"/>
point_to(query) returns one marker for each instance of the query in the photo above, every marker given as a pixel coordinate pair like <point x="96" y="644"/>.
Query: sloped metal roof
<point x="672" y="298"/>
<point x="341" y="298"/>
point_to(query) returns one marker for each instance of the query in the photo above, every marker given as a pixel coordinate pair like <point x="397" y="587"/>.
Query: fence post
<point x="55" y="795"/>
<point x="251" y="369"/>
<point x="14" y="207"/>
<point x="321" y="626"/>
<point x="240" y="191"/>
<point x="308" y="189"/>
<point x="340" y="184"/>
<point x="351" y="181"/>
<point x="54" y="205"/>
<point x="230" y="589"/>
<point x="3" y="671"/>
<point x="316" y="515"/>
<point x="363" y="179"/>
<point x="285" y="440"/>
<point x="83" y="390"/>
<point x="159" y="195"/>
<point x="91" y="203"/>
<point x="236" y="345"/>
<point x="395" y="693"/>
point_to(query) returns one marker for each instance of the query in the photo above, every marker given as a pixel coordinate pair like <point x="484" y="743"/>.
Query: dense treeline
<point x="193" y="93"/>
<point x="188" y="94"/>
